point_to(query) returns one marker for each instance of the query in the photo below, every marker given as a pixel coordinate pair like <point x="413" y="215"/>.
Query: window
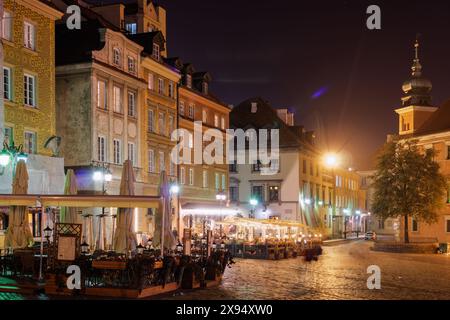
<point x="171" y="89"/>
<point x="224" y="182"/>
<point x="156" y="51"/>
<point x="132" y="153"/>
<point x="29" y="90"/>
<point x="257" y="193"/>
<point x="9" y="135"/>
<point x="311" y="168"/>
<point x="217" y="181"/>
<point x="131" y="65"/>
<point x="274" y="194"/>
<point x="216" y="121"/>
<point x="205" y="178"/>
<point x="151" y="161"/>
<point x="162" y="161"/>
<point x="161" y="86"/>
<point x="234" y="194"/>
<point x="448" y="152"/>
<point x="181" y="111"/>
<point x="447" y="225"/>
<point x="29" y="35"/>
<point x="191" y="176"/>
<point x="117" y="96"/>
<point x="151" y="121"/>
<point x="6" y="25"/>
<point x="205" y="87"/>
<point x="414" y="225"/>
<point x="233" y="167"/>
<point x="256" y="167"/>
<point x="222" y="123"/>
<point x="191" y="140"/>
<point x="162" y="123"/>
<point x="204" y="116"/>
<point x="189" y="81"/>
<point x="117" y="151"/>
<point x="7" y="83"/>
<point x="171" y="125"/>
<point x="131" y="104"/>
<point x="101" y="149"/>
<point x="151" y="81"/>
<point x="191" y="111"/>
<point x="182" y="175"/>
<point x="171" y="168"/>
<point x="304" y="166"/>
<point x="30" y="142"/>
<point x="116" y="56"/>
<point x="131" y="28"/>
<point x="102" y="96"/>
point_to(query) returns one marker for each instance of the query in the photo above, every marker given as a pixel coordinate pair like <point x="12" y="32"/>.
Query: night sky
<point x="317" y="58"/>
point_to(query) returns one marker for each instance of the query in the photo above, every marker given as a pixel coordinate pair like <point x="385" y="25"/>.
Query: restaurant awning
<point x="80" y="201"/>
<point x="207" y="209"/>
<point x="263" y="222"/>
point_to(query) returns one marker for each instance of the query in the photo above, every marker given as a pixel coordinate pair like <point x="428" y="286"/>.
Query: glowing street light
<point x="331" y="160"/>
<point x="174" y="189"/>
<point x="253" y="202"/>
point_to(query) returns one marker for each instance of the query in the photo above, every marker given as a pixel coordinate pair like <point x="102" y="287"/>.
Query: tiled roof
<point x="439" y="121"/>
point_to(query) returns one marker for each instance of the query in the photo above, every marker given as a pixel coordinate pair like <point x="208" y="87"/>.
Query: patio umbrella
<point x="69" y="214"/>
<point x="19" y="233"/>
<point x="163" y="217"/>
<point x="124" y="238"/>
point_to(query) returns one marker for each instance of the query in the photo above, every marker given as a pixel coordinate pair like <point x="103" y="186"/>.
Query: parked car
<point x="370" y="235"/>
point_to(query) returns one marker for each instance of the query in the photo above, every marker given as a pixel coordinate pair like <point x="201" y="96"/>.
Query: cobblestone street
<point x="340" y="273"/>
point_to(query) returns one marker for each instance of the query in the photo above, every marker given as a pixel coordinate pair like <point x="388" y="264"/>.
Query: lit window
<point x="205" y="178"/>
<point x="101" y="149"/>
<point x="117" y="96"/>
<point x="273" y="193"/>
<point x="217" y="181"/>
<point x="151" y="121"/>
<point x="171" y="125"/>
<point x="29" y="90"/>
<point x="162" y="123"/>
<point x="30" y="142"/>
<point x="151" y="161"/>
<point x="182" y="175"/>
<point x="116" y="56"/>
<point x="191" y="176"/>
<point x="222" y="123"/>
<point x="131" y="104"/>
<point x="151" y="81"/>
<point x="117" y="151"/>
<point x="181" y="111"/>
<point x="162" y="161"/>
<point x="161" y="86"/>
<point x="171" y="89"/>
<point x="156" y="52"/>
<point x="131" y="28"/>
<point x="6" y="25"/>
<point x="29" y="35"/>
<point x="191" y="111"/>
<point x="131" y="65"/>
<point x="132" y="153"/>
<point x="7" y="83"/>
<point x="224" y="182"/>
<point x="102" y="96"/>
<point x="216" y="121"/>
<point x="204" y="116"/>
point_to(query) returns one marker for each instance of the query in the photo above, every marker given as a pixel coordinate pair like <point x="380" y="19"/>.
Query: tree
<point x="408" y="184"/>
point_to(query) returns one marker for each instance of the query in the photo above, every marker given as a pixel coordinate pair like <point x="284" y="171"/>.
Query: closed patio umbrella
<point x="124" y="238"/>
<point x="69" y="214"/>
<point x="163" y="217"/>
<point x="19" y="233"/>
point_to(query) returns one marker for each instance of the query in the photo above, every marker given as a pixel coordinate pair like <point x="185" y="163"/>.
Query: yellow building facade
<point x="29" y="70"/>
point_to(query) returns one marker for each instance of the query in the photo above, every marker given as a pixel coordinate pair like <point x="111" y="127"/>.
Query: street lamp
<point x="174" y="189"/>
<point x="253" y="203"/>
<point x="140" y="249"/>
<point x="48" y="233"/>
<point x="84" y="248"/>
<point x="11" y="155"/>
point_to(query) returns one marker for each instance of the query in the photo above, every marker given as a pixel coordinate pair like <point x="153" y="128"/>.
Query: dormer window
<point x="156" y="51"/>
<point x="131" y="65"/>
<point x="131" y="28"/>
<point x="116" y="56"/>
<point x="189" y="81"/>
<point x="205" y="87"/>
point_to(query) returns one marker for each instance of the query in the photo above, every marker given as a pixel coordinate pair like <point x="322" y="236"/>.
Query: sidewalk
<point x="332" y="242"/>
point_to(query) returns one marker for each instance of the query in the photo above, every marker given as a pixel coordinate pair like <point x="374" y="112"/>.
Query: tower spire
<point x="416" y="67"/>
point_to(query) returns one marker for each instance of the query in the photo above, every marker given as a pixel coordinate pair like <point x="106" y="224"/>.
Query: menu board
<point x="67" y="248"/>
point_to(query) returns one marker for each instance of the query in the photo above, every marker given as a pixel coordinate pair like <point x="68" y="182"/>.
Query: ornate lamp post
<point x="102" y="173"/>
<point x="253" y="203"/>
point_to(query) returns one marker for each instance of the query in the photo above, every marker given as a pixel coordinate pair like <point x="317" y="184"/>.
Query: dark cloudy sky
<point x="317" y="58"/>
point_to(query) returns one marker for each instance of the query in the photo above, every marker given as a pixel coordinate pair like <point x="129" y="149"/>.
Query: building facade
<point x="28" y="111"/>
<point x="429" y="127"/>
